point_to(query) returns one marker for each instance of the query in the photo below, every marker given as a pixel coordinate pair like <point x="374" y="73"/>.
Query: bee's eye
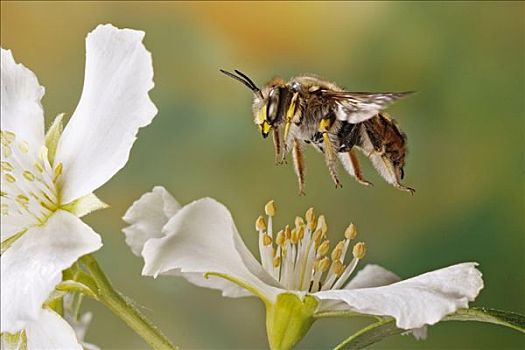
<point x="273" y="105"/>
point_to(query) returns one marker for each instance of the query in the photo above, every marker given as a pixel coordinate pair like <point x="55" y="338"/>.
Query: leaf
<point x="385" y="328"/>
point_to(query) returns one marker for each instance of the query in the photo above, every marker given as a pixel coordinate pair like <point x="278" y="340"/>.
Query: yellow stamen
<point x="350" y="232"/>
<point x="22" y="200"/>
<point x="9" y="178"/>
<point x="324" y="264"/>
<point x="58" y="170"/>
<point x="270" y="208"/>
<point x="336" y="254"/>
<point x="7" y="137"/>
<point x="276" y="261"/>
<point x="267" y="240"/>
<point x="299" y="222"/>
<point x="39" y="167"/>
<point x="294" y="236"/>
<point x="300" y="232"/>
<point x="6" y="150"/>
<point x="321" y="222"/>
<point x="6" y="166"/>
<point x="324" y="248"/>
<point x="338" y="268"/>
<point x="281" y="238"/>
<point x="28" y="175"/>
<point x="24" y="147"/>
<point x="311" y="220"/>
<point x="260" y="224"/>
<point x="287" y="232"/>
<point x="359" y="250"/>
<point x="317" y="236"/>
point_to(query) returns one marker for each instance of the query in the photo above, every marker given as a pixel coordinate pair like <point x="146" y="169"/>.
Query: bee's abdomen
<point x="348" y="136"/>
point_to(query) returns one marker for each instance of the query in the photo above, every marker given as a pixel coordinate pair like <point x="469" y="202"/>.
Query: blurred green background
<point x="465" y="135"/>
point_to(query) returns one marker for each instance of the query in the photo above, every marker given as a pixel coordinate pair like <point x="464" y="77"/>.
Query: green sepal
<point x="53" y="136"/>
<point x="56" y="302"/>
<point x="387" y="327"/>
<point x="71" y="286"/>
<point x="84" y="205"/>
<point x="288" y="319"/>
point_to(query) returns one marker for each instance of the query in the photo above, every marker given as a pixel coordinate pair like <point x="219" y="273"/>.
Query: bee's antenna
<point x="243" y="78"/>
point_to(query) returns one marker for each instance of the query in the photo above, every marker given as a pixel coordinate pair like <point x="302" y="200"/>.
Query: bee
<point x="309" y="110"/>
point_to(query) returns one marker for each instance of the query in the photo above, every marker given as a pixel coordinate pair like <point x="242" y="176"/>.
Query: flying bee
<point x="308" y="110"/>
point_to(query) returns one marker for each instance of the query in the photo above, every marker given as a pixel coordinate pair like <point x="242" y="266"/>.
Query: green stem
<point x="386" y="327"/>
<point x="124" y="308"/>
<point x="360" y="339"/>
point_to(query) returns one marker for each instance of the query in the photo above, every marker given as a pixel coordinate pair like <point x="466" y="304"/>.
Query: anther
<point x="270" y="208"/>
<point x="310" y="219"/>
<point x="300" y="232"/>
<point x="350" y="232"/>
<point x="6" y="166"/>
<point x="288" y="232"/>
<point x="39" y="167"/>
<point x="299" y="222"/>
<point x="276" y="261"/>
<point x="281" y="238"/>
<point x="338" y="268"/>
<point x="260" y="224"/>
<point x="317" y="236"/>
<point x="267" y="240"/>
<point x="28" y="175"/>
<point x="294" y="236"/>
<point x="23" y="146"/>
<point x="9" y="178"/>
<point x="22" y="200"/>
<point x="324" y="264"/>
<point x="336" y="253"/>
<point x="324" y="248"/>
<point x="359" y="250"/>
<point x="6" y="150"/>
<point x="7" y="137"/>
<point x="321" y="223"/>
<point x="58" y="171"/>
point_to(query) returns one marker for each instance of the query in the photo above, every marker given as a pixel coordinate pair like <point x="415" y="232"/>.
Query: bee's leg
<point x="351" y="165"/>
<point x="298" y="161"/>
<point x="329" y="151"/>
<point x="279" y="154"/>
<point x="388" y="170"/>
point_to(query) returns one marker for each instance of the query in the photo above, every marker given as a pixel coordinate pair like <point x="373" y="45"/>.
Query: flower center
<point x="29" y="192"/>
<point x="300" y="257"/>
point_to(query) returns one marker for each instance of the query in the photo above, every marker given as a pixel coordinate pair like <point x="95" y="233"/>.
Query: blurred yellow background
<point x="465" y="132"/>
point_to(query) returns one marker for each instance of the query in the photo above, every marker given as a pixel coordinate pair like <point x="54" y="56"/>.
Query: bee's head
<point x="264" y="104"/>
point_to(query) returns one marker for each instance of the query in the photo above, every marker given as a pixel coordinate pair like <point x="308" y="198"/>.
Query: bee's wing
<point x="356" y="107"/>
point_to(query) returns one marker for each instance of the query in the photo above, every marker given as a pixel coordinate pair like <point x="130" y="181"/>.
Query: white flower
<point x="48" y="180"/>
<point x="298" y="277"/>
<point x="79" y="323"/>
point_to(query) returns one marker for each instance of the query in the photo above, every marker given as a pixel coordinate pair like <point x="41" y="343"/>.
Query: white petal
<point x="32" y="266"/>
<point x="202" y="238"/>
<point x="50" y="332"/>
<point x="372" y="276"/>
<point x="147" y="216"/>
<point x="114" y="104"/>
<point x="20" y="99"/>
<point x="417" y="301"/>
